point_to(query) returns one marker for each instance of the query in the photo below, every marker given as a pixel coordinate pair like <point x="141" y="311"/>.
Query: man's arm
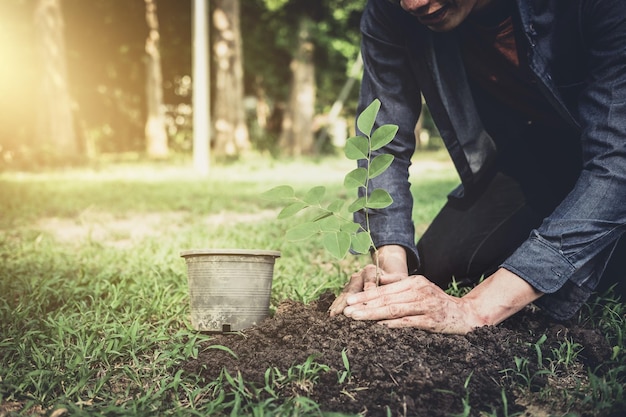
<point x="573" y="243"/>
<point x="387" y="76"/>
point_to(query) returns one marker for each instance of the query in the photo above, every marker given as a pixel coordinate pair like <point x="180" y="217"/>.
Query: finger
<point x="355" y="285"/>
<point x="412" y="295"/>
<point x="407" y="315"/>
<point x="370" y="280"/>
<point x="422" y="322"/>
<point x="384" y="312"/>
<point x="414" y="283"/>
<point x="427" y="323"/>
<point x="389" y="278"/>
<point x="338" y="305"/>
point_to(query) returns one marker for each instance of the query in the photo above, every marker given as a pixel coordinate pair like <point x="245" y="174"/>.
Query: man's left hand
<point x="413" y="302"/>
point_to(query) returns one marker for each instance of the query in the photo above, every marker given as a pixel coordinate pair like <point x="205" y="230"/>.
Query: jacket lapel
<point x="441" y="77"/>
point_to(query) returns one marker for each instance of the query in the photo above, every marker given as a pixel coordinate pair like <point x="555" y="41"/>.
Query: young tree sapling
<point x="341" y="233"/>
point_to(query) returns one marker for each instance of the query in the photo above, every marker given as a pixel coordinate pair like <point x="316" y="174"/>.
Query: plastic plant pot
<point x="229" y="289"/>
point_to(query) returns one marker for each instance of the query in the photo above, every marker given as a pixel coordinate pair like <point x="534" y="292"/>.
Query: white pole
<point x="200" y="79"/>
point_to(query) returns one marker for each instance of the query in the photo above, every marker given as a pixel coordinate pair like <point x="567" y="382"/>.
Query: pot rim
<point x="250" y="252"/>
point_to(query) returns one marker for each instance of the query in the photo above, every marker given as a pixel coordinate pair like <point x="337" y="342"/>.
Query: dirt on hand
<point x="398" y="372"/>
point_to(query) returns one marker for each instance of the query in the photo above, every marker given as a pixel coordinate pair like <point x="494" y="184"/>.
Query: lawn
<point x="94" y="314"/>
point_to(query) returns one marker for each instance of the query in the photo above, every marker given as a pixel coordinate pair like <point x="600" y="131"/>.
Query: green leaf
<point x="225" y="349"/>
<point x="330" y="224"/>
<point x="322" y="215"/>
<point x="379" y="164"/>
<point x="379" y="199"/>
<point x="365" y="121"/>
<point x="291" y="209"/>
<point x="302" y="231"/>
<point x="357" y="205"/>
<point x="361" y="242"/>
<point x="383" y="135"/>
<point x="335" y="206"/>
<point x="337" y="243"/>
<point x="314" y="195"/>
<point x="350" y="227"/>
<point x="355" y="178"/>
<point x="357" y="147"/>
<point x="279" y="193"/>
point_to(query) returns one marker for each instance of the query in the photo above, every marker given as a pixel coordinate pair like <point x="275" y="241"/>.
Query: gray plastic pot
<point x="229" y="289"/>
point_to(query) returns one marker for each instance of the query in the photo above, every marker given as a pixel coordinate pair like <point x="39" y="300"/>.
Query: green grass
<point x="93" y="317"/>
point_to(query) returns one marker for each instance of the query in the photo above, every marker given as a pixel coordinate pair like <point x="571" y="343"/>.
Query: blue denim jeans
<point x="471" y="237"/>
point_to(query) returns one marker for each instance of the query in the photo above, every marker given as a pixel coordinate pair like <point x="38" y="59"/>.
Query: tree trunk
<point x="201" y="81"/>
<point x="297" y="133"/>
<point x="156" y="135"/>
<point x="55" y="127"/>
<point x="231" y="132"/>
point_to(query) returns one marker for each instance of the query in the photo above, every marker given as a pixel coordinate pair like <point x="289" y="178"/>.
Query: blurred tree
<point x="19" y="80"/>
<point x="311" y="44"/>
<point x="106" y="41"/>
<point x="297" y="128"/>
<point x="156" y="136"/>
<point x="201" y="95"/>
<point x="106" y="50"/>
<point x="55" y="120"/>
<point x="106" y="53"/>
<point x="231" y="132"/>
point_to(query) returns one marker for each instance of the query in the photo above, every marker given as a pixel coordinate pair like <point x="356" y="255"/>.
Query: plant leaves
<point x="291" y="209"/>
<point x="350" y="227"/>
<point x="357" y="205"/>
<point x="322" y="215"/>
<point x="379" y="199"/>
<point x="279" y="193"/>
<point x="330" y="224"/>
<point x="379" y="164"/>
<point x="365" y="121"/>
<point x="335" y="206"/>
<point x="383" y="135"/>
<point x="361" y="242"/>
<point x="357" y="147"/>
<point x="337" y="243"/>
<point x="314" y="195"/>
<point x="225" y="349"/>
<point x="355" y="178"/>
<point x="302" y="231"/>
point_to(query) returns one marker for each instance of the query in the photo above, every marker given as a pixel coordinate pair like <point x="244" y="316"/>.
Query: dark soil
<point x="404" y="372"/>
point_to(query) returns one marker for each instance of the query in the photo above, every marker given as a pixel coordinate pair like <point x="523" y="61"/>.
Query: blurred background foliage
<point x="105" y="56"/>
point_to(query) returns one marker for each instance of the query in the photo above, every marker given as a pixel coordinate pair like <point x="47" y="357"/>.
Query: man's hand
<point x="413" y="302"/>
<point x="417" y="302"/>
<point x="391" y="267"/>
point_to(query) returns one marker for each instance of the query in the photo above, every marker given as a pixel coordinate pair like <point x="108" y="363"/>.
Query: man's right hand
<point x="392" y="267"/>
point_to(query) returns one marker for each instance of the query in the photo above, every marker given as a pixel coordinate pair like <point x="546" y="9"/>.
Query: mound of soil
<point x="399" y="372"/>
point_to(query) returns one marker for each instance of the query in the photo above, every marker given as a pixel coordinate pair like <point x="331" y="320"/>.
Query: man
<point x="530" y="99"/>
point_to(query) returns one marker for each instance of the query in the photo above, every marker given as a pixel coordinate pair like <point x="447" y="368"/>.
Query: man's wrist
<point x="498" y="297"/>
<point x="391" y="259"/>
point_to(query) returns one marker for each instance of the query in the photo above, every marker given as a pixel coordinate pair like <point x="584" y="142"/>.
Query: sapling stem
<point x="367" y="225"/>
<point x="377" y="264"/>
<point x="367" y="210"/>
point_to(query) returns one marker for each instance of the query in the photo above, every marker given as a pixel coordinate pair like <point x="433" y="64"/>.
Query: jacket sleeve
<point x="387" y="76"/>
<point x="574" y="243"/>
